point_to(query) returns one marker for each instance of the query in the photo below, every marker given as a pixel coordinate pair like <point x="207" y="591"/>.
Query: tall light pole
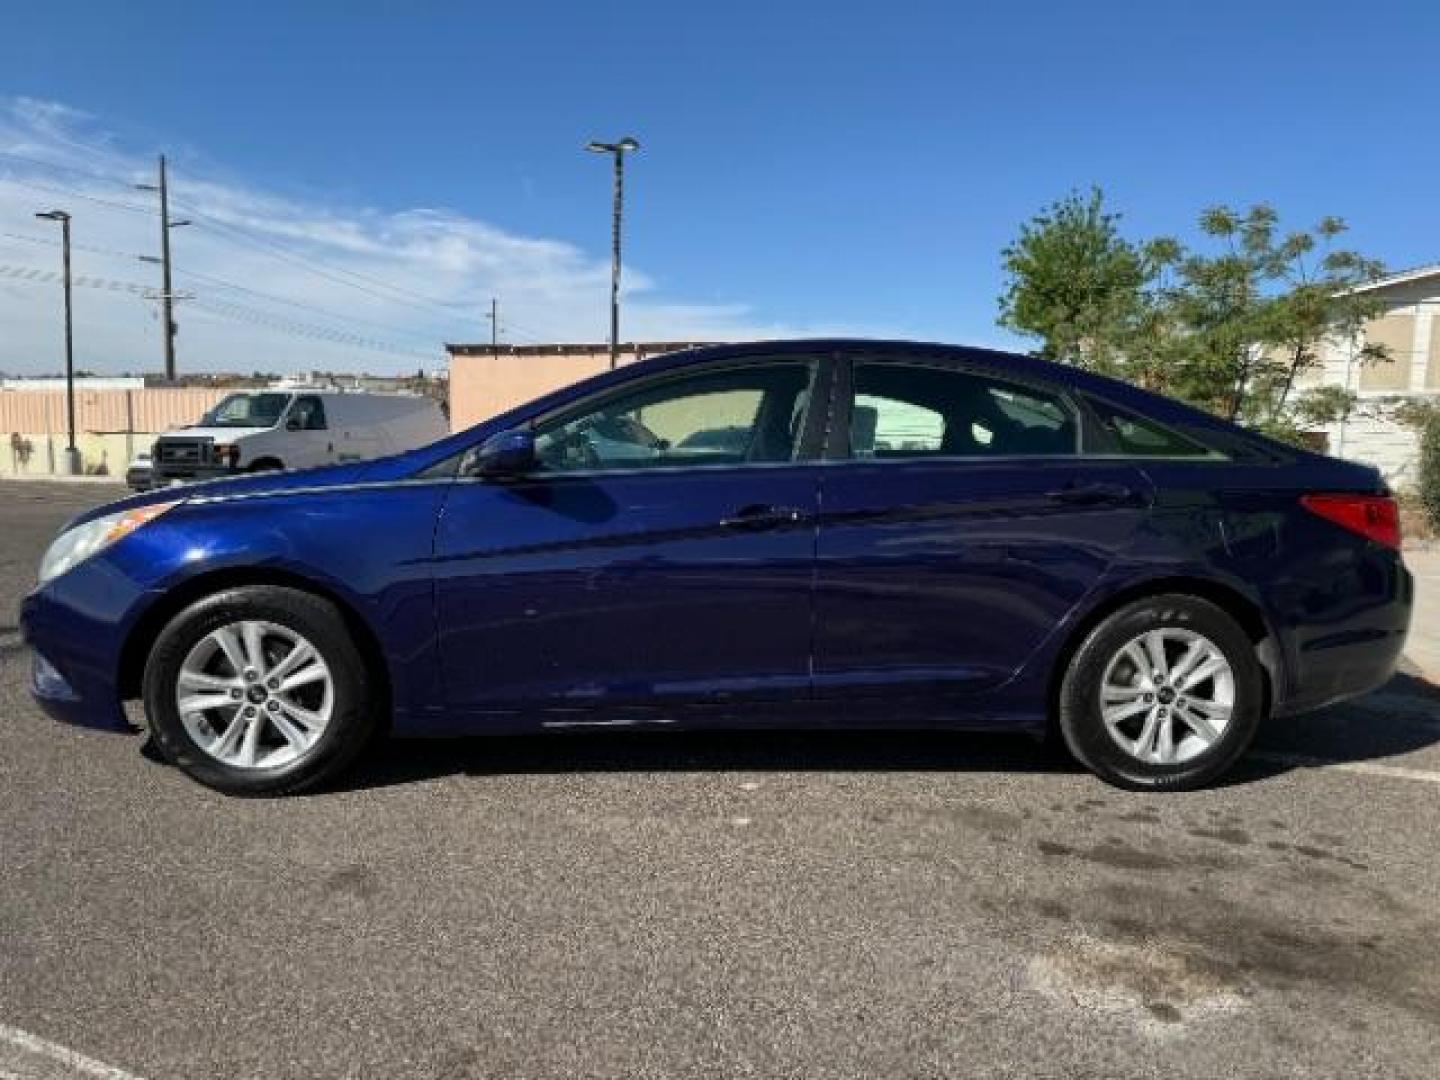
<point x="72" y="455"/>
<point x="167" y="296"/>
<point x="618" y="150"/>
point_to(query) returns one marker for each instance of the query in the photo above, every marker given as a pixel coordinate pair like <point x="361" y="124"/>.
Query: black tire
<point x="266" y="465"/>
<point x="1085" y="731"/>
<point x="354" y="718"/>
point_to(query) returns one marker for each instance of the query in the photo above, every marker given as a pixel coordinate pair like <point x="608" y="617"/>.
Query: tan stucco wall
<point x="1397" y="330"/>
<point x="483" y="384"/>
<point x="41" y="453"/>
<point x="1432" y="373"/>
<point x="111" y="426"/>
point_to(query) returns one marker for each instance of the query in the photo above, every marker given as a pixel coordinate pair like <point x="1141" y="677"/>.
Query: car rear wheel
<point x="1164" y="694"/>
<point x="259" y="690"/>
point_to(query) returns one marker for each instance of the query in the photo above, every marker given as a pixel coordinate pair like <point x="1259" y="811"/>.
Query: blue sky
<point x="838" y="167"/>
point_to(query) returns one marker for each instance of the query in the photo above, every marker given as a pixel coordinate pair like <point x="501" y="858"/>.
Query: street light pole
<point x="72" y="455"/>
<point x="618" y="150"/>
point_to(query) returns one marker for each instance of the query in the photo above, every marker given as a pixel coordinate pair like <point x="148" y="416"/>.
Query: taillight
<point x="1375" y="517"/>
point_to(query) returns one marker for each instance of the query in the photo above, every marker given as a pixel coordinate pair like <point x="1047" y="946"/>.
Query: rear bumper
<point x="1354" y="651"/>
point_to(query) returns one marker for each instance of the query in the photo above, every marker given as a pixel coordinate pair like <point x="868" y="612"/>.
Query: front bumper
<point x="76" y="644"/>
<point x="163" y="476"/>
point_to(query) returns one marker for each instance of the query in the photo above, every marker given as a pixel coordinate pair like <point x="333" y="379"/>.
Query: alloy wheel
<point x="1167" y="695"/>
<point x="254" y="694"/>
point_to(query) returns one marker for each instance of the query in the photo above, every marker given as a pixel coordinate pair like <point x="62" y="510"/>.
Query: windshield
<point x="247" y="410"/>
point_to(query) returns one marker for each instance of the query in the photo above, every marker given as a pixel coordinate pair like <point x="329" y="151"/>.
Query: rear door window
<point x="914" y="411"/>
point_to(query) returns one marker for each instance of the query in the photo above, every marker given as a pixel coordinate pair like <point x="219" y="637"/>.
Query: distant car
<point x="262" y="430"/>
<point x="139" y="473"/>
<point x="908" y="536"/>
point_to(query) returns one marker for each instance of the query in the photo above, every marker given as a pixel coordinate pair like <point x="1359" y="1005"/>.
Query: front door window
<point x="744" y="416"/>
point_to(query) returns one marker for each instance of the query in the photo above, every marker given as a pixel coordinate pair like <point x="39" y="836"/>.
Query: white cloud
<point x="345" y="288"/>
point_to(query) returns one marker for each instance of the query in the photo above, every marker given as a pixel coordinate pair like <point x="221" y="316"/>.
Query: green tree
<point x="1074" y="282"/>
<point x="1256" y="313"/>
<point x="1231" y="326"/>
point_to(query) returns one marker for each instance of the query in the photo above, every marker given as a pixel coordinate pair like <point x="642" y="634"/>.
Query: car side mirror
<point x="507" y="455"/>
<point x="292" y="424"/>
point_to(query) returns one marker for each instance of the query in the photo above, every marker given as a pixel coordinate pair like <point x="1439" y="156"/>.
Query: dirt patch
<point x="1151" y="980"/>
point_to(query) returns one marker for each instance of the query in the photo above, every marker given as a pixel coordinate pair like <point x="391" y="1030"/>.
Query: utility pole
<point x="494" y="326"/>
<point x="618" y="150"/>
<point x="167" y="295"/>
<point x="72" y="455"/>
<point x="167" y="298"/>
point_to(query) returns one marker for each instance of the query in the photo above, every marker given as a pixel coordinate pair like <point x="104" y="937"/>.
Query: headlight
<point x="228" y="454"/>
<point x="75" y="545"/>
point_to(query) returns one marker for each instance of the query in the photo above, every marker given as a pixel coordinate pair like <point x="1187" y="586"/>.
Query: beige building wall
<point x="111" y="426"/>
<point x="1395" y="329"/>
<point x="485" y="382"/>
<point x="1432" y="372"/>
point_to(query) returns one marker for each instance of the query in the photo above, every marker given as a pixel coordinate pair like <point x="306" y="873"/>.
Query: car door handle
<point x="1091" y="494"/>
<point x="762" y="516"/>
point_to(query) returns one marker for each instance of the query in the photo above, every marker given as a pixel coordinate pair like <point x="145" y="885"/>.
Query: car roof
<point x="1019" y="365"/>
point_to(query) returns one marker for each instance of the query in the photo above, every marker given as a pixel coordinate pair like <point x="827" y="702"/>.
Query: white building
<point x="1410" y="326"/>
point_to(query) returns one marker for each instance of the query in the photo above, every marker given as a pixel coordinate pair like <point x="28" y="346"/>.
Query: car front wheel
<point x="259" y="690"/>
<point x="1164" y="694"/>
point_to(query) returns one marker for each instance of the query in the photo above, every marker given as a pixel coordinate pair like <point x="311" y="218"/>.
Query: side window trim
<point x="837" y="445"/>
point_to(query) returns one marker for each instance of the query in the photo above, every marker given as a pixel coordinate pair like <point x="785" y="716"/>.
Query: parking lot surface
<point x="760" y="904"/>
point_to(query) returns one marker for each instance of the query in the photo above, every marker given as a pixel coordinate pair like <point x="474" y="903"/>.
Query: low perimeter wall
<point x="111" y="426"/>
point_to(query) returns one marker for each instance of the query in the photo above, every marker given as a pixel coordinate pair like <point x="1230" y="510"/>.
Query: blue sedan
<point x="890" y="535"/>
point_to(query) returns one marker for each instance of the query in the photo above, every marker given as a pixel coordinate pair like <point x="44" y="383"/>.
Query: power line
<point x="222" y="283"/>
<point x="236" y="233"/>
<point x="364" y="283"/>
<point x="87" y="281"/>
<point x="48" y="242"/>
<point x="109" y="178"/>
<point x="224" y="309"/>
<point x="71" y="193"/>
<point x="350" y="278"/>
<point x="241" y="313"/>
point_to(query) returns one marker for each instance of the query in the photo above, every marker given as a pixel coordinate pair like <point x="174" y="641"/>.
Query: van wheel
<point x="259" y="690"/>
<point x="266" y="465"/>
<point x="1165" y="694"/>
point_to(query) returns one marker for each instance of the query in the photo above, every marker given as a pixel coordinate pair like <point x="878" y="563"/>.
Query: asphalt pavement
<point x="749" y="905"/>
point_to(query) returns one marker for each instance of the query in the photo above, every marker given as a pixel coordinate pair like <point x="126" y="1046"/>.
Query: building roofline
<point x="573" y="348"/>
<point x="1401" y="277"/>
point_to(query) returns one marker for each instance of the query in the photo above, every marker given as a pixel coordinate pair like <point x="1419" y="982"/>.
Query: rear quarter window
<point x="1128" y="433"/>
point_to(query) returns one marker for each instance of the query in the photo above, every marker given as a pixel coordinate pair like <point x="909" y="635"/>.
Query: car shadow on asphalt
<point x="1402" y="717"/>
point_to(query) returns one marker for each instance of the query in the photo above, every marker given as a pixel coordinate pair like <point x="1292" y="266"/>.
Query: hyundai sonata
<point x="890" y="535"/>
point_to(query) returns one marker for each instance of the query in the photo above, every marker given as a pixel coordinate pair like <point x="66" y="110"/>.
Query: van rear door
<point x="353" y="426"/>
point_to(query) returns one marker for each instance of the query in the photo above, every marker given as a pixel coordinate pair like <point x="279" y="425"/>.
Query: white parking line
<point x="1367" y="768"/>
<point x="28" y="1057"/>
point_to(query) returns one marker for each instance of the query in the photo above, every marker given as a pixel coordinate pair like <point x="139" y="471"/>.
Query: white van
<point x="255" y="430"/>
